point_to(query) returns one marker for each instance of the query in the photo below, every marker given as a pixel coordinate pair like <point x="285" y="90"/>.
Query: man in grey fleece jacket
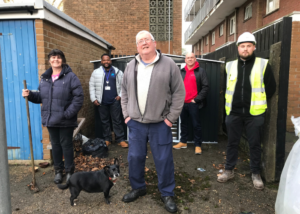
<point x="152" y="99"/>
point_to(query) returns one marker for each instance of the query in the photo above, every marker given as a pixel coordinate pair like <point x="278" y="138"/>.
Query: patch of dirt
<point x="196" y="192"/>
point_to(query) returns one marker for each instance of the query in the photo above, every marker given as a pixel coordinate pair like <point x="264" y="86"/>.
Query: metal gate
<point x="209" y="114"/>
<point x="19" y="62"/>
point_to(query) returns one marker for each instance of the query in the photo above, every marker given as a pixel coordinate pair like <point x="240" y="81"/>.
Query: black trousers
<point x="113" y="111"/>
<point x="253" y="126"/>
<point x="62" y="145"/>
<point x="190" y="110"/>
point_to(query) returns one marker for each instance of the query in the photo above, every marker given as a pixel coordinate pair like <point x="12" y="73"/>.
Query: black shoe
<point x="58" y="176"/>
<point x="133" y="195"/>
<point x="68" y="176"/>
<point x="170" y="204"/>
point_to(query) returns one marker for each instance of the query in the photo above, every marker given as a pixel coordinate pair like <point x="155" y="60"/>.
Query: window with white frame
<point x="206" y="42"/>
<point x="232" y="25"/>
<point x="213" y="38"/>
<point x="272" y="5"/>
<point x="221" y="29"/>
<point x="248" y="11"/>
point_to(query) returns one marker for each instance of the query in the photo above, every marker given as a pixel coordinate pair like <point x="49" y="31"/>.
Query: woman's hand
<point x="25" y="92"/>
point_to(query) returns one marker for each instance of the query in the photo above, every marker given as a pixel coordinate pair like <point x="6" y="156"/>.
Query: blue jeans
<point x="160" y="137"/>
<point x="190" y="110"/>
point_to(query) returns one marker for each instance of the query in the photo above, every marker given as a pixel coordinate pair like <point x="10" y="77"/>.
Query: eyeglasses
<point x="142" y="41"/>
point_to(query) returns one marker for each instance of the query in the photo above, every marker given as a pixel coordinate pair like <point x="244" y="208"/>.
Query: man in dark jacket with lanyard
<point x="249" y="83"/>
<point x="105" y="92"/>
<point x="196" y="89"/>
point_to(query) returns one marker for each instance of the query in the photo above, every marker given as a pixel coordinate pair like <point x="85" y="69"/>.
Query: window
<point x="221" y="29"/>
<point x="206" y="42"/>
<point x="161" y="19"/>
<point x="272" y="5"/>
<point x="213" y="38"/>
<point x="248" y="12"/>
<point x="232" y="25"/>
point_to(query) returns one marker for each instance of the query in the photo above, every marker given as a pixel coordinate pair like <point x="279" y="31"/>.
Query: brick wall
<point x="294" y="77"/>
<point x="79" y="52"/>
<point x="249" y="24"/>
<point x="219" y="40"/>
<point x="119" y="21"/>
<point x="285" y="7"/>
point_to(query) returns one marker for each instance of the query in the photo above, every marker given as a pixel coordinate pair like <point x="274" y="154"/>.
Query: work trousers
<point x="190" y="110"/>
<point x="112" y="111"/>
<point x="62" y="145"/>
<point x="253" y="126"/>
<point x="160" y="138"/>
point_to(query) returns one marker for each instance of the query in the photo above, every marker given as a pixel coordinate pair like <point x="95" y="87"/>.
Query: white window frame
<point x="213" y="38"/>
<point x="221" y="30"/>
<point x="232" y="25"/>
<point x="248" y="11"/>
<point x="270" y="8"/>
<point x="206" y="42"/>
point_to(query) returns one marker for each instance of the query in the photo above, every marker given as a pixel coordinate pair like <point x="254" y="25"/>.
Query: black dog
<point x="91" y="182"/>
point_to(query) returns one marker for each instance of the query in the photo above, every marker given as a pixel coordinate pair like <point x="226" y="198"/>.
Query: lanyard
<point x="107" y="76"/>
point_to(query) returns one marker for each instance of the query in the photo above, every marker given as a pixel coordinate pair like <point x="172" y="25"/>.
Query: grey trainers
<point x="227" y="175"/>
<point x="257" y="182"/>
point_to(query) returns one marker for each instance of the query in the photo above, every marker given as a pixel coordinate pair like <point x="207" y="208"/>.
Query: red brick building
<point x="119" y="21"/>
<point x="217" y="23"/>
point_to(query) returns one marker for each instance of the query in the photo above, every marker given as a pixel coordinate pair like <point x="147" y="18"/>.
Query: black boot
<point x="68" y="176"/>
<point x="58" y="176"/>
<point x="133" y="195"/>
<point x="170" y="204"/>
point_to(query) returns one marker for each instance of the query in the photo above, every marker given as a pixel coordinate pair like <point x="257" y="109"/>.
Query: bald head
<point x="190" y="60"/>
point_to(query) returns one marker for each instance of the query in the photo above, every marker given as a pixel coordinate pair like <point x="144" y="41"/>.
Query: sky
<point x="184" y="27"/>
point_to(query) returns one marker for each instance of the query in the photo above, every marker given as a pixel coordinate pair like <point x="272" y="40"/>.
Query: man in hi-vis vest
<point x="249" y="83"/>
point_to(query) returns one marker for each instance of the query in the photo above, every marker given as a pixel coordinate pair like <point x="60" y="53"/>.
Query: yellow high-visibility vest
<point x="258" y="94"/>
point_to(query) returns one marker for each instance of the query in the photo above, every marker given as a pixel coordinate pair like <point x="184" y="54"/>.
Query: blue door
<point x="19" y="62"/>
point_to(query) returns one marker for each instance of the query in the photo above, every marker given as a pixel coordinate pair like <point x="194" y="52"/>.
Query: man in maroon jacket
<point x="196" y="88"/>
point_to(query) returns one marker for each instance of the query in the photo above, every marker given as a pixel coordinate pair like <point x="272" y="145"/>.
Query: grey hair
<point x="141" y="32"/>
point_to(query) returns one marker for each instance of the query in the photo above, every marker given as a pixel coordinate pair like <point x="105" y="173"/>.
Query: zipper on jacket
<point x="243" y="84"/>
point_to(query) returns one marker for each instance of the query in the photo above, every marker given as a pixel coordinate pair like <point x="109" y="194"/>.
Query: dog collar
<point x="112" y="180"/>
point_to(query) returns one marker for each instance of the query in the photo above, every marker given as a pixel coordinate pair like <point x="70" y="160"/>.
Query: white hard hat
<point x="246" y="37"/>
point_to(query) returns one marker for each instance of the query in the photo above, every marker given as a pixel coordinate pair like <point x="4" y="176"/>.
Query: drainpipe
<point x="5" y="201"/>
<point x="109" y="47"/>
<point x="169" y="25"/>
<point x="235" y="25"/>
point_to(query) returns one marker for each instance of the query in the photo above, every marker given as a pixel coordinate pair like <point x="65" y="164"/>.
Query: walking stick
<point x="33" y="184"/>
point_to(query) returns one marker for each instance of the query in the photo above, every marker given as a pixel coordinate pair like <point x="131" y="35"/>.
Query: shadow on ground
<point x="196" y="192"/>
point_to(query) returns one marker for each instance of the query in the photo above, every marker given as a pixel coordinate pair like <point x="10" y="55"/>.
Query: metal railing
<point x="201" y="15"/>
<point x="188" y="8"/>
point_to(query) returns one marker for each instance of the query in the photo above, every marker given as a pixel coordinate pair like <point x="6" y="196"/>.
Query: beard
<point x="106" y="65"/>
<point x="246" y="57"/>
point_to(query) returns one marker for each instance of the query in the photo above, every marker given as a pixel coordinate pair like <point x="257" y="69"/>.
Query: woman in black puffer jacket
<point x="61" y="94"/>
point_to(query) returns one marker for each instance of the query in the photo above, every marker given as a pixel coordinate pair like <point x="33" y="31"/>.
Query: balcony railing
<point x="200" y="17"/>
<point x="188" y="8"/>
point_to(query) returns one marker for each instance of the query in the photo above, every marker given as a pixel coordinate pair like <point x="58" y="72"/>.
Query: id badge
<point x="107" y="88"/>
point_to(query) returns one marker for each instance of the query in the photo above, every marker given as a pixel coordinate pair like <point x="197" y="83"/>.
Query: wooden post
<point x="30" y="138"/>
<point x="270" y="125"/>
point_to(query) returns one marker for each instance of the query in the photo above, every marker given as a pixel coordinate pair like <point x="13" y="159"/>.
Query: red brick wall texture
<point x="294" y="77"/>
<point x="118" y="22"/>
<point x="79" y="52"/>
